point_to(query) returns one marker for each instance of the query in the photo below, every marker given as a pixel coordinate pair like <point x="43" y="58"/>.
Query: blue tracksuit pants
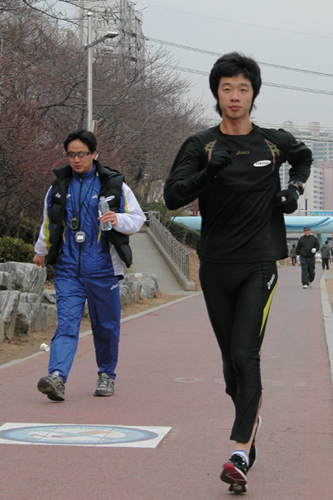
<point x="104" y="309"/>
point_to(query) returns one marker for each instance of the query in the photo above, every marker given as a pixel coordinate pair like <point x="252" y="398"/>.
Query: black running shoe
<point x="53" y="386"/>
<point x="237" y="488"/>
<point x="253" y="451"/>
<point x="234" y="471"/>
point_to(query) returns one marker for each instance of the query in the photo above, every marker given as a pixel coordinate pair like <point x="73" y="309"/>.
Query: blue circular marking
<point x="77" y="434"/>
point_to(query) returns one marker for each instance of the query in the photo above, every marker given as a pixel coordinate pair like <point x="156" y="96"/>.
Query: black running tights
<point x="238" y="298"/>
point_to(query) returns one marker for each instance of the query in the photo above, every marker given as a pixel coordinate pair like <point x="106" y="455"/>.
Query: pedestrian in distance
<point x="89" y="261"/>
<point x="293" y="255"/>
<point x="233" y="168"/>
<point x="325" y="255"/>
<point x="306" y="248"/>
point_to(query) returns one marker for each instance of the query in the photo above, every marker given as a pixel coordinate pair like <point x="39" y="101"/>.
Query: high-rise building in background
<point x="113" y="15"/>
<point x="318" y="194"/>
<point x="327" y="168"/>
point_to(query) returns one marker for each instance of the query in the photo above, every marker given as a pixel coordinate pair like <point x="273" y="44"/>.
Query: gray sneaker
<point x="53" y="386"/>
<point x="105" y="385"/>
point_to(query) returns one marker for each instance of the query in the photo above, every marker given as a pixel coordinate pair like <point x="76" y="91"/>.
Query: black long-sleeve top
<point x="240" y="222"/>
<point x="306" y="244"/>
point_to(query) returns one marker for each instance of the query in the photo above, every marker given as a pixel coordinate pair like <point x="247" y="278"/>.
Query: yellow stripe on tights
<point x="266" y="309"/>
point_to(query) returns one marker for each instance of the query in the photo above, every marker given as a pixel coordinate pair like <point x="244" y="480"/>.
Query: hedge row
<point x="183" y="233"/>
<point x="17" y="250"/>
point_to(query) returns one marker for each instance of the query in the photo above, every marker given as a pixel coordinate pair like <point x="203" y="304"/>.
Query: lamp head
<point x="111" y="34"/>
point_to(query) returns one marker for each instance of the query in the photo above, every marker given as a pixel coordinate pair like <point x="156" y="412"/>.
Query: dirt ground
<point x="25" y="345"/>
<point x="329" y="288"/>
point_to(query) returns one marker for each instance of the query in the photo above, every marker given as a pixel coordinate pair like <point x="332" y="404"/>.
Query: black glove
<point x="219" y="161"/>
<point x="289" y="204"/>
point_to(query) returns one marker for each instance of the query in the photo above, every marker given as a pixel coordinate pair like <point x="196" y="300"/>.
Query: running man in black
<point x="233" y="169"/>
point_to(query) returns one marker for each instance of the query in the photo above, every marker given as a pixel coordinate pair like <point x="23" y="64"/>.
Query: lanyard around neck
<point x="73" y="202"/>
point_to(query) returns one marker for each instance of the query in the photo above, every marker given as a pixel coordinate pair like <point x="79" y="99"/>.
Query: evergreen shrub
<point x="15" y="250"/>
<point x="183" y="234"/>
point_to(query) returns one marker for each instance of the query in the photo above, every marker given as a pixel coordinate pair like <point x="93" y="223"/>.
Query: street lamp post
<point x="89" y="46"/>
<point x="89" y="76"/>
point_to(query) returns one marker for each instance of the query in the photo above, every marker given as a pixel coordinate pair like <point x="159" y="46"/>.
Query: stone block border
<point x="26" y="306"/>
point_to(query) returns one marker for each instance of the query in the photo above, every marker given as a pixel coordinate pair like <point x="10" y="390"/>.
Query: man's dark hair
<point x="88" y="138"/>
<point x="234" y="64"/>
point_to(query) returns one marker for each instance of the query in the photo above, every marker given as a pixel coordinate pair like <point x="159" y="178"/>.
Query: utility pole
<point x="122" y="27"/>
<point x="89" y="75"/>
<point x="89" y="46"/>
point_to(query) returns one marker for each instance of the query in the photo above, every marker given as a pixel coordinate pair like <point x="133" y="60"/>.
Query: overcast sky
<point x="291" y="33"/>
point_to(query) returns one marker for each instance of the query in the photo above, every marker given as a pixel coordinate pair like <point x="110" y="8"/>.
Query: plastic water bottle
<point x="103" y="207"/>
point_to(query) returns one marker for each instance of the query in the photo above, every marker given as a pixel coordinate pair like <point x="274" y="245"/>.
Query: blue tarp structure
<point x="294" y="223"/>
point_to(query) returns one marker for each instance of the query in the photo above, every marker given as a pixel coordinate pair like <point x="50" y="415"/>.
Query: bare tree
<point x="143" y="110"/>
<point x="144" y="116"/>
<point x="26" y="147"/>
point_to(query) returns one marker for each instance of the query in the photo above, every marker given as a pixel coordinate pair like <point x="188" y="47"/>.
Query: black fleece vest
<point x="111" y="186"/>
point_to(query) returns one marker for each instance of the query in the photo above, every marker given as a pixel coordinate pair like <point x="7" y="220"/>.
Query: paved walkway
<point x="148" y="260"/>
<point x="169" y="375"/>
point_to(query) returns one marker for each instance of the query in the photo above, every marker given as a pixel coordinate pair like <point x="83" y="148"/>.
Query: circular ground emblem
<point x="100" y="435"/>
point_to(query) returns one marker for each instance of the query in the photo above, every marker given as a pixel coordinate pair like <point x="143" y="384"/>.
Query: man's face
<point x="307" y="232"/>
<point x="234" y="95"/>
<point x="80" y="165"/>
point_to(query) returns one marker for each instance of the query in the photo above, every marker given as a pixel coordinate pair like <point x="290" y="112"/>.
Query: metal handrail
<point x="175" y="250"/>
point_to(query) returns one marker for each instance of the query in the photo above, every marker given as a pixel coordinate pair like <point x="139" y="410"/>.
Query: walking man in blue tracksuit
<point x="89" y="262"/>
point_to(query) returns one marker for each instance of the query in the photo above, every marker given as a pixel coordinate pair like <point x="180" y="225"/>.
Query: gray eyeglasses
<point x="80" y="154"/>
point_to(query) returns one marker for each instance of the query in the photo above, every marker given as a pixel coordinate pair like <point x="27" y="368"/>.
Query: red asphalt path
<point x="169" y="374"/>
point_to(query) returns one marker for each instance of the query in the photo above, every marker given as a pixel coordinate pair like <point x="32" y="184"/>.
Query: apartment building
<point x="317" y="195"/>
<point x="113" y="15"/>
